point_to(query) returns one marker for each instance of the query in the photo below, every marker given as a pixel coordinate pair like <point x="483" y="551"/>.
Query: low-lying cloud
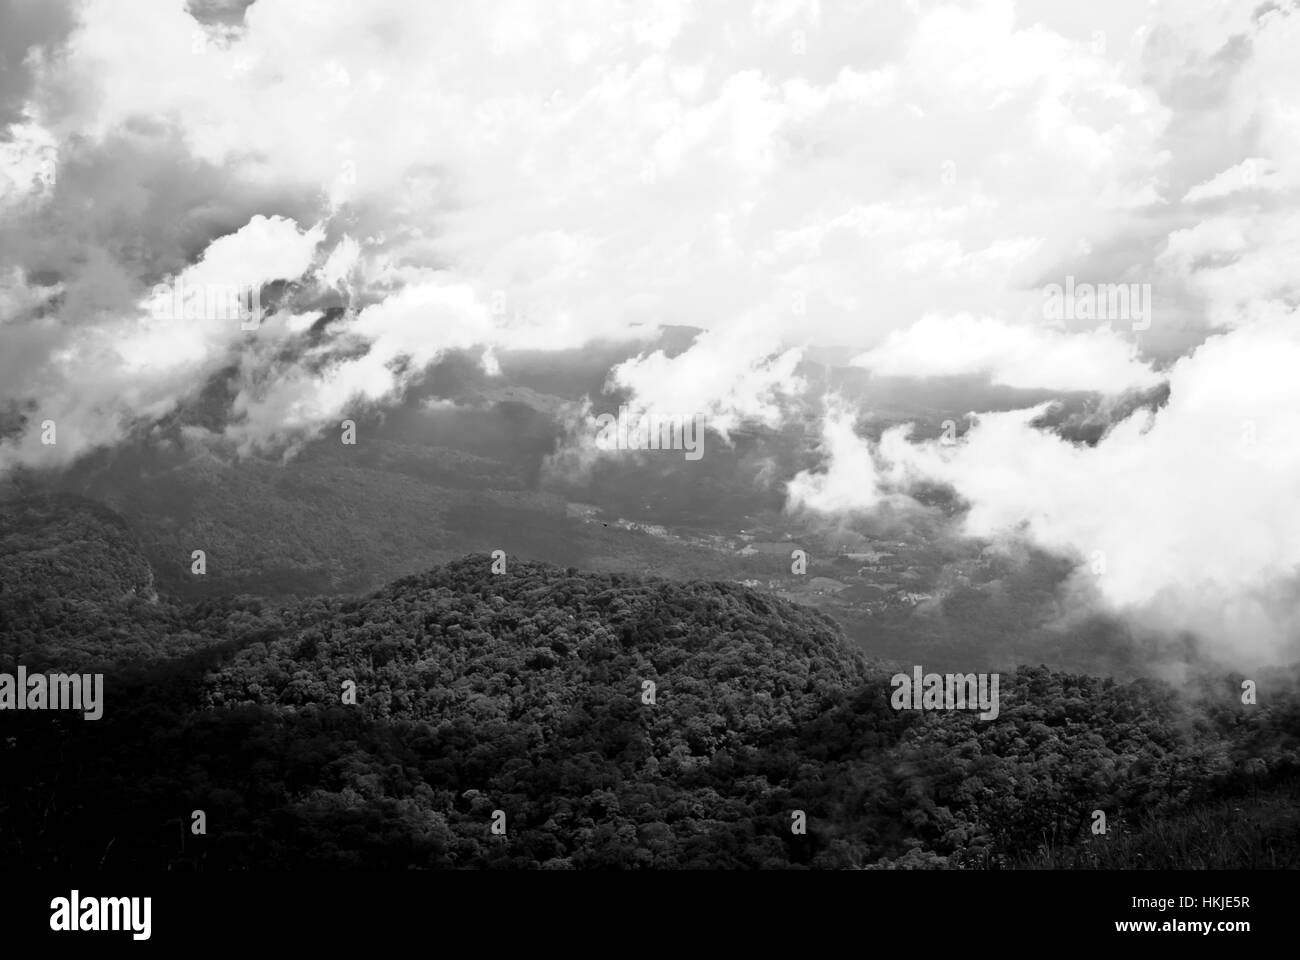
<point x="897" y="182"/>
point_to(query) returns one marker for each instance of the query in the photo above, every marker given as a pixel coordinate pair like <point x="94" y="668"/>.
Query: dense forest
<point x="528" y="692"/>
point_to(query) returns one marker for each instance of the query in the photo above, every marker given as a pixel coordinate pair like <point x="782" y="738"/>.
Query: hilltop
<point x="527" y="694"/>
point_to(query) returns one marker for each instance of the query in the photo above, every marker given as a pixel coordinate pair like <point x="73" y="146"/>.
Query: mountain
<point x="76" y="589"/>
<point x="521" y="698"/>
<point x="471" y="463"/>
<point x="68" y="547"/>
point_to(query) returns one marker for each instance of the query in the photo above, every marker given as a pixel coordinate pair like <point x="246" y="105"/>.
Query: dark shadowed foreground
<point x="525" y="697"/>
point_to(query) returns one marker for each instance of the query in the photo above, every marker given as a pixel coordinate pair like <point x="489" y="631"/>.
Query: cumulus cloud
<point x="94" y="379"/>
<point x="726" y="376"/>
<point x="1253" y="173"/>
<point x="1187" y="518"/>
<point x="1013" y="355"/>
<point x="1184" y="519"/>
<point x="898" y="181"/>
<point x="393" y="341"/>
<point x="589" y="174"/>
<point x="850" y="481"/>
<point x="1180" y="516"/>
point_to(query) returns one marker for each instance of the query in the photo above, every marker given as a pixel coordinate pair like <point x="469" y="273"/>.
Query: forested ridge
<point x="525" y="692"/>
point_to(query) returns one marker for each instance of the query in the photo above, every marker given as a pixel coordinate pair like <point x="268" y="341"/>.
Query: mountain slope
<point x="521" y="699"/>
<point x="527" y="692"/>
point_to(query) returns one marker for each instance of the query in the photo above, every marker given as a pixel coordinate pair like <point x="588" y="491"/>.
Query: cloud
<point x="1253" y="173"/>
<point x="31" y="33"/>
<point x="1017" y="356"/>
<point x="391" y="343"/>
<point x="1185" y="519"/>
<point x="900" y="182"/>
<point x="94" y="379"/>
<point x="727" y="377"/>
<point x="849" y="481"/>
<point x="592" y="173"/>
<point x="1180" y="516"/>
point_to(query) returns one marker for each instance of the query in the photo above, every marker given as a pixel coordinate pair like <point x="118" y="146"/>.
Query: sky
<point x="1061" y="197"/>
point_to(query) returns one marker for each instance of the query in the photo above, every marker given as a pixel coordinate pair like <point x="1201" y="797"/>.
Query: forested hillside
<point x="528" y="692"/>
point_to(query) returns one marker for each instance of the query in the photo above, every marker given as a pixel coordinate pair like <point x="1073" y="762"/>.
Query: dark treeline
<point x="524" y="692"/>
